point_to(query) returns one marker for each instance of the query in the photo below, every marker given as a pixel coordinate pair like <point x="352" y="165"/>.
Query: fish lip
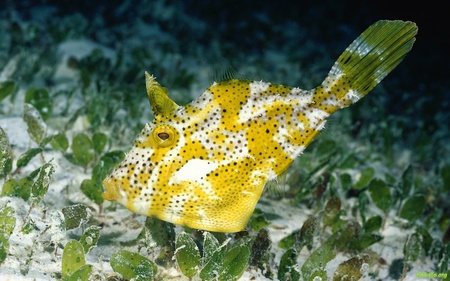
<point x="114" y="191"/>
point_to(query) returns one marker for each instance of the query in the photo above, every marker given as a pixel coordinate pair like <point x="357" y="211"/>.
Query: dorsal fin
<point x="158" y="96"/>
<point x="224" y="71"/>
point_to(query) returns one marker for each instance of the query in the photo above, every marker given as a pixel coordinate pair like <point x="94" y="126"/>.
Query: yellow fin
<point x="366" y="61"/>
<point x="158" y="96"/>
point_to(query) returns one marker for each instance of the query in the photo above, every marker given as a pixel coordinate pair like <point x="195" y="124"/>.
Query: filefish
<point x="204" y="165"/>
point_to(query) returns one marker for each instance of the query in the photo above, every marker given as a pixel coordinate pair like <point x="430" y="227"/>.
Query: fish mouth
<point x="113" y="191"/>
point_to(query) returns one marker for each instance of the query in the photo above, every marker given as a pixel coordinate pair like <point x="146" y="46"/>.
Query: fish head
<point x="184" y="168"/>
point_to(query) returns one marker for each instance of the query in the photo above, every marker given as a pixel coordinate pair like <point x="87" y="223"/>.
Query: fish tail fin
<point x="372" y="56"/>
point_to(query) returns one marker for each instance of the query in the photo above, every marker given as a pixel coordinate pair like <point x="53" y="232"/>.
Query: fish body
<point x="205" y="164"/>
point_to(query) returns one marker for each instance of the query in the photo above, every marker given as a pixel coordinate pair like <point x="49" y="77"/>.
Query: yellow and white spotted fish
<point x="204" y="165"/>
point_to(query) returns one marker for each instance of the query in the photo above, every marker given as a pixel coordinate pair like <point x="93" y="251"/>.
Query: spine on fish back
<point x="372" y="56"/>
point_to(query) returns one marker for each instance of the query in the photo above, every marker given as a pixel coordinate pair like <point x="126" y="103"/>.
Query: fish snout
<point x="114" y="191"/>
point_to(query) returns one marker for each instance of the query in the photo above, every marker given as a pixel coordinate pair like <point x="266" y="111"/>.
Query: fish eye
<point x="164" y="135"/>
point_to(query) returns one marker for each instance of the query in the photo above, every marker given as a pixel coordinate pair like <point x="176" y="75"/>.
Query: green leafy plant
<point x="338" y="241"/>
<point x="73" y="259"/>
<point x="37" y="129"/>
<point x="411" y="250"/>
<point x="93" y="187"/>
<point x="41" y="184"/>
<point x="236" y="260"/>
<point x="5" y="154"/>
<point x="162" y="234"/>
<point x="366" y="177"/>
<point x="25" y="158"/>
<point x="302" y="237"/>
<point x="90" y="238"/>
<point x="92" y="190"/>
<point x="133" y="266"/>
<point x="7" y="224"/>
<point x="381" y="195"/>
<point x="413" y="207"/>
<point x="353" y="268"/>
<point x="83" y="149"/>
<point x="40" y="99"/>
<point x="261" y="256"/>
<point x="34" y="190"/>
<point x="60" y="142"/>
<point x="213" y="256"/>
<point x="73" y="264"/>
<point x="288" y="269"/>
<point x="219" y="261"/>
<point x="6" y="88"/>
<point x="187" y="255"/>
<point x="76" y="215"/>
